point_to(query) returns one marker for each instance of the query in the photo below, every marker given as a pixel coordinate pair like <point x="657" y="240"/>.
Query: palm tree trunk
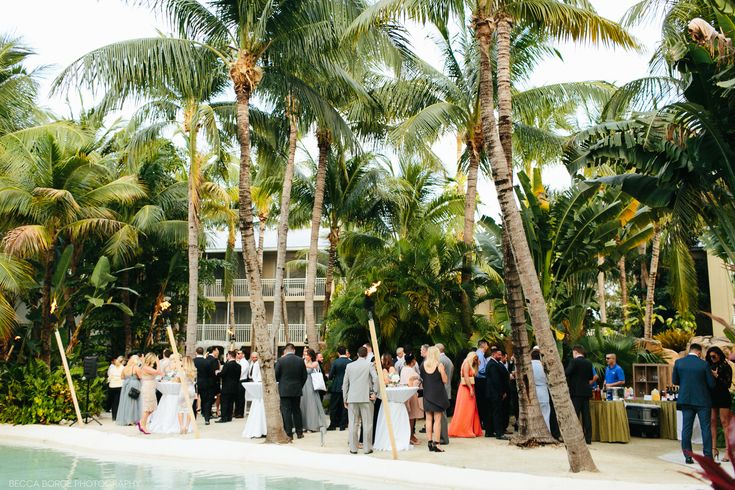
<point x="468" y="233"/>
<point x="283" y="217"/>
<point x="324" y="142"/>
<point x="532" y="429"/>
<point x="245" y="76"/>
<point x="644" y="267"/>
<point x="651" y="283"/>
<point x="46" y="324"/>
<point x="262" y="219"/>
<point x="577" y="451"/>
<point x="331" y="264"/>
<point x="601" y="290"/>
<point x="193" y="242"/>
<point x="623" y="288"/>
<point x="284" y="314"/>
<point x="229" y="280"/>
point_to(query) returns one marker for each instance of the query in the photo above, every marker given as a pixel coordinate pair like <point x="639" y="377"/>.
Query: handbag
<point x="317" y="379"/>
<point x="134" y="393"/>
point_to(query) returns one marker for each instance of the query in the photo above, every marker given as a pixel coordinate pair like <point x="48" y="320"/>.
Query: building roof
<point x="297" y="240"/>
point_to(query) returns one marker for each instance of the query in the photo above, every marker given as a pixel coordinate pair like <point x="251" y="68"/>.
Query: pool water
<point x="25" y="467"/>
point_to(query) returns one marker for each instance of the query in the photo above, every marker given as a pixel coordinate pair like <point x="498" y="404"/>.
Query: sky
<point x="60" y="31"/>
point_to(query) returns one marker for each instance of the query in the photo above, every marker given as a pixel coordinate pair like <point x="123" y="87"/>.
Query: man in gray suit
<point x="449" y="368"/>
<point x="358" y="390"/>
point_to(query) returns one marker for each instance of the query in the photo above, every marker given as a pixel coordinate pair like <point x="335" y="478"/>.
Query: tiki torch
<point x="369" y="304"/>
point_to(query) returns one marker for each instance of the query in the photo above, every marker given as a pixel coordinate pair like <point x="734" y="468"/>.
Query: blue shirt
<point x="483" y="363"/>
<point x="614" y="374"/>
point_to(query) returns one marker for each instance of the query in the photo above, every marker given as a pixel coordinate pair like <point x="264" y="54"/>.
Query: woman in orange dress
<point x="466" y="421"/>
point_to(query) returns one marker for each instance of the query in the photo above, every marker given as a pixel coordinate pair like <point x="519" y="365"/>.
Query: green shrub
<point x="33" y="394"/>
<point x="673" y="339"/>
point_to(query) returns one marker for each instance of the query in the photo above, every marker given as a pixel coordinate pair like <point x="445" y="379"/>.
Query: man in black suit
<point x="694" y="378"/>
<point x="497" y="385"/>
<point x="579" y="379"/>
<point x="337" y="411"/>
<point x="291" y="376"/>
<point x="206" y="379"/>
<point x="230" y="376"/>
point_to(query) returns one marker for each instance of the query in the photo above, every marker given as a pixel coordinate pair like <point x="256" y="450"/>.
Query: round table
<point x="397" y="397"/>
<point x="255" y="425"/>
<point x="165" y="419"/>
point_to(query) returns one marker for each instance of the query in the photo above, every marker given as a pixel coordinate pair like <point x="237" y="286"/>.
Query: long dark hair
<point x="717" y="351"/>
<point x="386" y="361"/>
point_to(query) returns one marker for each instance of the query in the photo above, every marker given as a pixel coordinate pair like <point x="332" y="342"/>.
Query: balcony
<point x="216" y="333"/>
<point x="293" y="287"/>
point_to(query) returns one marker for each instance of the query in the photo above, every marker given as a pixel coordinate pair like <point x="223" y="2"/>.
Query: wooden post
<point x="381" y="382"/>
<point x="68" y="376"/>
<point x="184" y="379"/>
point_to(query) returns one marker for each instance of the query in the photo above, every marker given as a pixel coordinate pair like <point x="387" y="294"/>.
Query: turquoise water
<point x="24" y="467"/>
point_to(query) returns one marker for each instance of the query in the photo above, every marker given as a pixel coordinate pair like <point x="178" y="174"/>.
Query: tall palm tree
<point x="180" y="101"/>
<point x="18" y="86"/>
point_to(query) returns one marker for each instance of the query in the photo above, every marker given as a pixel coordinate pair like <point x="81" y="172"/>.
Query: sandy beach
<point x="467" y="463"/>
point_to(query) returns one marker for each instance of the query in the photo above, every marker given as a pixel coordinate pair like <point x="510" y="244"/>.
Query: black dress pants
<point x="483" y="406"/>
<point x="240" y="401"/>
<point x="337" y="411"/>
<point x="582" y="407"/>
<point x="497" y="418"/>
<point x="207" y="396"/>
<point x="291" y="413"/>
<point x="226" y="404"/>
<point x="114" y="401"/>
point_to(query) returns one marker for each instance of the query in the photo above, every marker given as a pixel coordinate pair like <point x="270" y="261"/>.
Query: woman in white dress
<point x="542" y="385"/>
<point x="190" y="371"/>
<point x="312" y="412"/>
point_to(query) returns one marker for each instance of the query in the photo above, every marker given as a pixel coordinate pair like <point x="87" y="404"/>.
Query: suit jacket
<point x="498" y="380"/>
<point x="695" y="381"/>
<point x="291" y="375"/>
<point x="449" y="368"/>
<point x="230" y="376"/>
<point x="337" y="374"/>
<point x="360" y="381"/>
<point x="206" y="372"/>
<point x="579" y="374"/>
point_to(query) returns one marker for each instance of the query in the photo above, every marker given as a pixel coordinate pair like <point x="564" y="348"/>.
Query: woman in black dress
<point x="433" y="377"/>
<point x="720" y="395"/>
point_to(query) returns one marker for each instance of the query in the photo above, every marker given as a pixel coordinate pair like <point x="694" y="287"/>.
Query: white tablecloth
<point x="696" y="430"/>
<point x="397" y="398"/>
<point x="165" y="419"/>
<point x="255" y="424"/>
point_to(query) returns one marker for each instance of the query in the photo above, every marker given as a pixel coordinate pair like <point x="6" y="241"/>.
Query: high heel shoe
<point x="431" y="446"/>
<point x="143" y="430"/>
<point x="716" y="454"/>
<point x="437" y="449"/>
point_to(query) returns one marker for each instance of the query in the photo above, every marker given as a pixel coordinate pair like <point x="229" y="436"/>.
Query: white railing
<point x="293" y="288"/>
<point x="217" y="332"/>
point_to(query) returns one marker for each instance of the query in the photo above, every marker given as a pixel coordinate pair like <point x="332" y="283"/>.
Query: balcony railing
<point x="217" y="332"/>
<point x="293" y="287"/>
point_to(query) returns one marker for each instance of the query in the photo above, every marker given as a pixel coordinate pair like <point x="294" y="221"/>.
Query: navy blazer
<point x="695" y="381"/>
<point x="337" y="374"/>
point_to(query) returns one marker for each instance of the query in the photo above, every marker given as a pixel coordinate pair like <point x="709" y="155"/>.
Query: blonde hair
<point x="472" y="359"/>
<point x="432" y="358"/>
<point x="150" y="359"/>
<point x="131" y="365"/>
<point x="189" y="368"/>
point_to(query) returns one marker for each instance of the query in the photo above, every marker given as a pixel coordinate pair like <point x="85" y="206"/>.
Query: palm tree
<point x="54" y="191"/>
<point x="18" y="86"/>
<point x="16" y="276"/>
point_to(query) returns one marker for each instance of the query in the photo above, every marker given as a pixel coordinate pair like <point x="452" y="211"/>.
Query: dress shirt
<point x="255" y="372"/>
<point x="483" y="363"/>
<point x="244" y="368"/>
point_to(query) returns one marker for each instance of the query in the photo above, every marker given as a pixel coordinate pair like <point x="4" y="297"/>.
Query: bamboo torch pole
<point x="385" y="405"/>
<point x="62" y="352"/>
<point x="179" y="367"/>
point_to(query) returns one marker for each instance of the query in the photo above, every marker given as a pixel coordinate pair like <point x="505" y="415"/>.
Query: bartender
<point x="614" y="375"/>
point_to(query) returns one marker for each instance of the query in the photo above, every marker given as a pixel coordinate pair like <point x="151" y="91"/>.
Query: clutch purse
<point x="134" y="393"/>
<point x="472" y="381"/>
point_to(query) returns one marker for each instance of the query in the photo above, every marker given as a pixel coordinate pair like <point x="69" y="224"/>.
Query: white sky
<point x="61" y="31"/>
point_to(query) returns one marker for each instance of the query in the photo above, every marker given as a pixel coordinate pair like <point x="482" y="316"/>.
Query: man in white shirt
<point x="240" y="399"/>
<point x="254" y="374"/>
<point x="370" y="355"/>
<point x="400" y="360"/>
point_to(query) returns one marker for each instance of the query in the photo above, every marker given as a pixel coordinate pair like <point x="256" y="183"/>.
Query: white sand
<point x="471" y="463"/>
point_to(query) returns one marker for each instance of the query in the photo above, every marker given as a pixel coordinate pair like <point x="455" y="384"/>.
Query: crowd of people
<point x="486" y="395"/>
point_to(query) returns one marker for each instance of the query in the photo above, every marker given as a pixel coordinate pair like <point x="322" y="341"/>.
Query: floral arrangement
<point x="394" y="379"/>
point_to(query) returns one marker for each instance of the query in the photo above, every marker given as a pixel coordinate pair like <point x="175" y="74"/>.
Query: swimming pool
<point x="30" y="467"/>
